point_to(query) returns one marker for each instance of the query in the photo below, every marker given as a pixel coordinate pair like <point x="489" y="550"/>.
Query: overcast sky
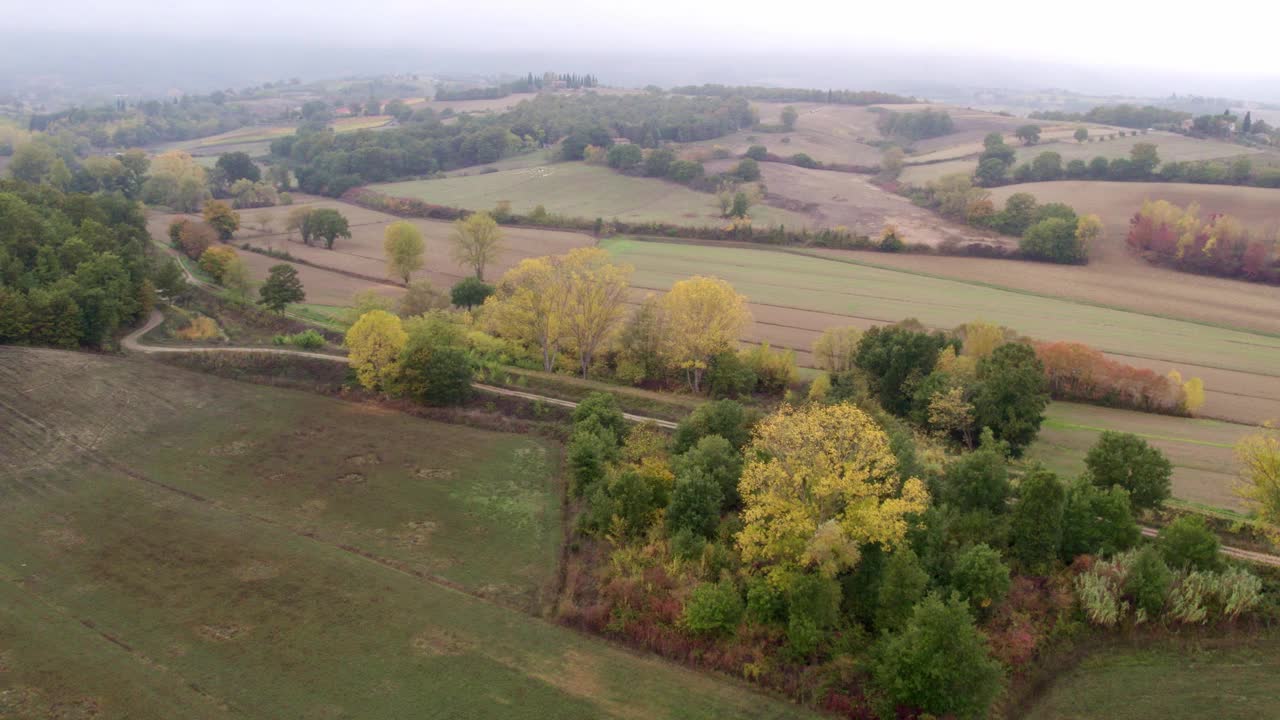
<point x="1132" y="33"/>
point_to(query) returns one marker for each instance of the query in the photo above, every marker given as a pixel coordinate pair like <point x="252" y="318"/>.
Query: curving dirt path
<point x="131" y="343"/>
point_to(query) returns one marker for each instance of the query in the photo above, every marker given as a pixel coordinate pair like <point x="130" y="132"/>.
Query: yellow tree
<point x="703" y="316"/>
<point x="402" y="242"/>
<point x="1259" y="458"/>
<point x="981" y="339"/>
<point x="477" y="240"/>
<point x="835" y="348"/>
<point x="822" y="481"/>
<point x="1088" y="231"/>
<point x="373" y="346"/>
<point x="529" y="304"/>
<point x="596" y="294"/>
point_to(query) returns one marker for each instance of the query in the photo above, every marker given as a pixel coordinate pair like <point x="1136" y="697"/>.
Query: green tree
<point x="434" y="374"/>
<point x="939" y="663"/>
<point x="1128" y="461"/>
<point x="1097" y="521"/>
<point x="979" y="480"/>
<point x="1047" y="166"/>
<point x="1144" y="158"/>
<point x="725" y="418"/>
<point x="789" y="117"/>
<point x="1148" y="581"/>
<point x="281" y="288"/>
<point x="695" y="504"/>
<point x="894" y="358"/>
<point x="1054" y="240"/>
<point x="991" y="172"/>
<point x="470" y="292"/>
<point x="602" y="407"/>
<point x="717" y="459"/>
<point x="1036" y="531"/>
<point x="981" y="577"/>
<point x="748" y="170"/>
<point x="741" y="205"/>
<point x="713" y="609"/>
<point x="902" y="585"/>
<point x="234" y="166"/>
<point x="1011" y="395"/>
<point x="1018" y="214"/>
<point x="757" y="152"/>
<point x="625" y="156"/>
<point x="1187" y="543"/>
<point x="326" y="224"/>
<point x="402" y="243"/>
<point x="1081" y="134"/>
<point x="1028" y="134"/>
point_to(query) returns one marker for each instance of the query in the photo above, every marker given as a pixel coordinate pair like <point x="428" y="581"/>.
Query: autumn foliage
<point x="1081" y="373"/>
<point x="1214" y="245"/>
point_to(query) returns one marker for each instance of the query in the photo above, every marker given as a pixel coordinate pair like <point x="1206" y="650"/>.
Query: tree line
<point x="1218" y="244"/>
<point x="771" y="94"/>
<point x="527" y="84"/>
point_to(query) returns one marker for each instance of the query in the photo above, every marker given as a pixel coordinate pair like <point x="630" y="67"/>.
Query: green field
<point x="1202" y="451"/>
<point x="177" y="545"/>
<point x="581" y="190"/>
<point x="798" y="283"/>
<point x="1168" y="683"/>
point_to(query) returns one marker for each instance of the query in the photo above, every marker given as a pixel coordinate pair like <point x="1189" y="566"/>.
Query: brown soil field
<point x="838" y="198"/>
<point x="363" y="253"/>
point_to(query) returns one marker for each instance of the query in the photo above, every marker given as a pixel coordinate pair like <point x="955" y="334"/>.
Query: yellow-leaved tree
<point x="703" y="317"/>
<point x="1088" y="231"/>
<point x="477" y="240"/>
<point x="822" y="481"/>
<point x="835" y="348"/>
<point x="373" y="345"/>
<point x="402" y="243"/>
<point x="1259" y="458"/>
<point x="981" y="339"/>
<point x="528" y="305"/>
<point x="572" y="302"/>
<point x="596" y="300"/>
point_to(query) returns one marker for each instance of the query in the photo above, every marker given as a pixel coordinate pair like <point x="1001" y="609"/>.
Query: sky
<point x="1130" y="33"/>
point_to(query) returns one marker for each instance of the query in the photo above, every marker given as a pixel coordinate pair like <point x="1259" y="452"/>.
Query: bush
<point x="588" y="453"/>
<point x="1188" y="544"/>
<point x="305" y="340"/>
<point x="1097" y="522"/>
<point x="902" y="585"/>
<point x="980" y="576"/>
<point x="757" y="152"/>
<point x="625" y="505"/>
<point x="1036" y="532"/>
<point x="775" y="370"/>
<point x="435" y="374"/>
<point x="725" y="418"/>
<point x="979" y="480"/>
<point x="1148" y="582"/>
<point x="938" y="663"/>
<point x="814" y="598"/>
<point x="603" y="407"/>
<point x="748" y="170"/>
<point x="695" y="504"/>
<point x="712" y="609"/>
<point x="803" y="637"/>
<point x="1127" y="461"/>
<point x="729" y="376"/>
<point x="470" y="292"/>
<point x="766" y="603"/>
<point x="717" y="459"/>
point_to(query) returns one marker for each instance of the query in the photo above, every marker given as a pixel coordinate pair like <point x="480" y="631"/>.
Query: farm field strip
<point x="789" y="280"/>
<point x="151" y="538"/>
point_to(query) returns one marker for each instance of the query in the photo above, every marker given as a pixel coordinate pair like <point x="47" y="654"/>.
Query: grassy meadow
<point x="177" y="545"/>
<point x="1174" y="683"/>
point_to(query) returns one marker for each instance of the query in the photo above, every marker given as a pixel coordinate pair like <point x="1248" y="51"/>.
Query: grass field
<point x="581" y="190"/>
<point x="1200" y="450"/>
<point x="795" y="297"/>
<point x="177" y="545"/>
<point x="1170" y="683"/>
<point x="255" y="138"/>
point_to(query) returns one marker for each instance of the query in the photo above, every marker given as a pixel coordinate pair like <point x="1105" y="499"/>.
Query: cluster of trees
<point x="422" y="358"/>
<point x="918" y="125"/>
<point x="1216" y="245"/>
<point x="772" y="94"/>
<point x="818" y="538"/>
<point x="1052" y="232"/>
<point x="73" y="267"/>
<point x="1080" y="373"/>
<point x="528" y="84"/>
<point x="125" y="125"/>
<point x="1124" y="115"/>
